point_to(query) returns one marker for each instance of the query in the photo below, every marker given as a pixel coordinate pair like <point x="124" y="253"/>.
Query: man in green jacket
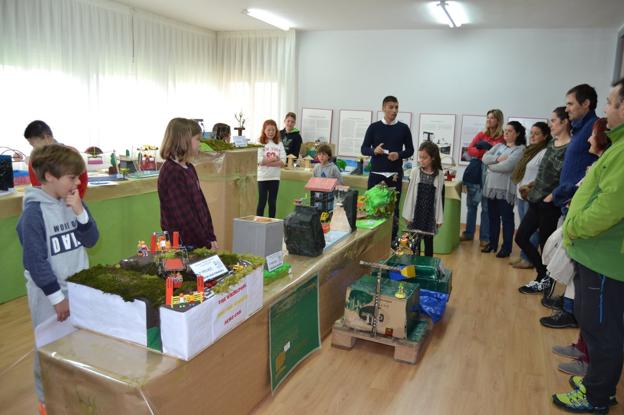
<point x="594" y="238"/>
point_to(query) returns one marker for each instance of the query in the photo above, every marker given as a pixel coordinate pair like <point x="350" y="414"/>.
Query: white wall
<point x="522" y="72"/>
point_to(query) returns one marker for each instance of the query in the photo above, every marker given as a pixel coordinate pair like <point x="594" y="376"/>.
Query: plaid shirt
<point x="183" y="207"/>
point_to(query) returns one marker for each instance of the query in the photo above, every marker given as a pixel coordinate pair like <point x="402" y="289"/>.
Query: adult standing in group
<point x="581" y="104"/>
<point x="524" y="175"/>
<point x="500" y="190"/>
<point x="387" y="142"/>
<point x="593" y="233"/>
<point x="542" y="215"/>
<point x="474" y="176"/>
<point x="290" y="136"/>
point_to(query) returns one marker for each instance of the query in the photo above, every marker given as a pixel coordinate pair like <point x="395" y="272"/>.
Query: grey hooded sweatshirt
<point x="53" y="241"/>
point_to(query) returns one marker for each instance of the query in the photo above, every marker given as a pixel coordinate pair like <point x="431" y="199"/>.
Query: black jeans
<point x="374" y="179"/>
<point x="428" y="240"/>
<point x="543" y="217"/>
<point x="599" y="308"/>
<point x="267" y="189"/>
<point x="499" y="210"/>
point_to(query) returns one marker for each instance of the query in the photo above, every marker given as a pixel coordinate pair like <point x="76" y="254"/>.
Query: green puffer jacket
<point x="593" y="231"/>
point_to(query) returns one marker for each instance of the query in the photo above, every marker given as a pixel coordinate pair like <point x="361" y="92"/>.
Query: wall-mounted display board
<point x="470" y="126"/>
<point x="404" y="117"/>
<point x="527" y="122"/>
<point x="316" y="124"/>
<point x="440" y="129"/>
<point x="353" y="126"/>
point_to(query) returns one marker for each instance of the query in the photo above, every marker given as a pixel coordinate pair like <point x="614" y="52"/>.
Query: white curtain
<point x="257" y="77"/>
<point x="49" y="71"/>
<point x="100" y="73"/>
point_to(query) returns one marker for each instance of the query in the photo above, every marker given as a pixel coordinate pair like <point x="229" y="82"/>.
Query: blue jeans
<point x="523" y="207"/>
<point x="473" y="198"/>
<point x="499" y="211"/>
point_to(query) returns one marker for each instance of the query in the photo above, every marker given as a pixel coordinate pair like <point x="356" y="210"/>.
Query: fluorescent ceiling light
<point x="268" y="17"/>
<point x="451" y="13"/>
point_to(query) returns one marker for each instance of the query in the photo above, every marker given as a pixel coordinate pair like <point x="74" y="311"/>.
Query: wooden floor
<point x="489" y="355"/>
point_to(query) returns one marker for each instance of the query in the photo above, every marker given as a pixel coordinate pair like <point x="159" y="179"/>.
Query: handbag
<point x="472" y="174"/>
<point x="556" y="259"/>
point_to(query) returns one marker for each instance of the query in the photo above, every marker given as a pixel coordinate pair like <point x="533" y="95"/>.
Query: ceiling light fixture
<point x="446" y="11"/>
<point x="449" y="12"/>
<point x="268" y="17"/>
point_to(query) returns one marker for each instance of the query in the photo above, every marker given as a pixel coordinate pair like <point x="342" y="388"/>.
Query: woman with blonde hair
<point x="474" y="175"/>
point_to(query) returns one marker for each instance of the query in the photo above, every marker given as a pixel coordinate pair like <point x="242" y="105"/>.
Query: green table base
<point x="121" y="221"/>
<point x="444" y="242"/>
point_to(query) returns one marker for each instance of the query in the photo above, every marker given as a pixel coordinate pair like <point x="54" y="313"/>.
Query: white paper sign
<point x="209" y="268"/>
<point x="239" y="141"/>
<point x="275" y="260"/>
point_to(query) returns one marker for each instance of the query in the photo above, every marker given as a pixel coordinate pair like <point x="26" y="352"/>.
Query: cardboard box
<point x="258" y="235"/>
<point x="183" y="334"/>
<point x="430" y="273"/>
<point x="397" y="316"/>
<point x="229" y="182"/>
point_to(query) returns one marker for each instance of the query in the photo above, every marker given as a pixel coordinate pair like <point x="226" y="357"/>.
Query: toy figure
<point x="400" y="292"/>
<point x="403" y="247"/>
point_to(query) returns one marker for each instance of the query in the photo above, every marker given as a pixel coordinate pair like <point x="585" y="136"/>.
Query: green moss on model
<point x="140" y="281"/>
<point x="220" y="145"/>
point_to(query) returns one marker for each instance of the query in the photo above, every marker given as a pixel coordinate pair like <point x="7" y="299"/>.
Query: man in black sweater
<point x="388" y="142"/>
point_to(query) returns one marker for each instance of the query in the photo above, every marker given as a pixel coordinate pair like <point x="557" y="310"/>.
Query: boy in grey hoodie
<point x="326" y="168"/>
<point x="54" y="229"/>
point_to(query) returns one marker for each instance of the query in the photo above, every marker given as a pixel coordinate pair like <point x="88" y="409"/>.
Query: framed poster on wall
<point x="618" y="71"/>
<point x="316" y="124"/>
<point x="440" y="129"/>
<point x="404" y="117"/>
<point x="470" y="126"/>
<point x="527" y="122"/>
<point x="353" y="126"/>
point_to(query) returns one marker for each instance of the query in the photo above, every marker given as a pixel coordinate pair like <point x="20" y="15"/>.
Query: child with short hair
<point x="271" y="158"/>
<point x="54" y="229"/>
<point x="38" y="134"/>
<point x="326" y="167"/>
<point x="424" y="203"/>
<point x="183" y="207"/>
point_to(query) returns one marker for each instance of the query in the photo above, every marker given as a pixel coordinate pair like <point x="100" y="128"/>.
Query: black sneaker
<point x="559" y="320"/>
<point x="549" y="286"/>
<point x="533" y="287"/>
<point x="554" y="303"/>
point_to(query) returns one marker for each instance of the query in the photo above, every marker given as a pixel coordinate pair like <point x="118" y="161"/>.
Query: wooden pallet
<point x="405" y="350"/>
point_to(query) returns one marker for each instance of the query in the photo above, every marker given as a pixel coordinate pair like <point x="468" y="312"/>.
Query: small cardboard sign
<point x="209" y="268"/>
<point x="239" y="141"/>
<point x="275" y="261"/>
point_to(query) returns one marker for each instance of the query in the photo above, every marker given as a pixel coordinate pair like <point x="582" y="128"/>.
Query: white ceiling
<point x="227" y="15"/>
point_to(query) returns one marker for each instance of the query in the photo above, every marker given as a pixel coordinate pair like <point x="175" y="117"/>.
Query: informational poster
<point x="404" y="117"/>
<point x="470" y="126"/>
<point x="294" y="331"/>
<point x="527" y="122"/>
<point x="316" y="124"/>
<point x="440" y="129"/>
<point x="353" y="126"/>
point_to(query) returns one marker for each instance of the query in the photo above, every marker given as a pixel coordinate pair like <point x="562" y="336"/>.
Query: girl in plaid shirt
<point x="183" y="207"/>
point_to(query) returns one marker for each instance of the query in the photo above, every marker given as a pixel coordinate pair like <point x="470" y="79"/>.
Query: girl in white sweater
<point x="271" y="158"/>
